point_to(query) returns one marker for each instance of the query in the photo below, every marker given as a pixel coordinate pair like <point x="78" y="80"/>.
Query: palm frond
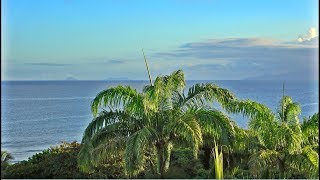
<point x="199" y="94"/>
<point x="111" y="148"/>
<point x="135" y="147"/>
<point x="285" y="101"/>
<point x="262" y="160"/>
<point x="216" y="124"/>
<point x="289" y="138"/>
<point x="105" y="118"/>
<point x="5" y="157"/>
<point x="188" y="129"/>
<point x="307" y="162"/>
<point x="115" y="97"/>
<point x="102" y="144"/>
<point x="311" y="155"/>
<point x="250" y="109"/>
<point x="310" y="130"/>
<point x="110" y="132"/>
<point x="291" y="113"/>
<point x="246" y="141"/>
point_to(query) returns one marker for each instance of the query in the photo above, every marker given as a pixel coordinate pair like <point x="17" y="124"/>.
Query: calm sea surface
<point x="38" y="114"/>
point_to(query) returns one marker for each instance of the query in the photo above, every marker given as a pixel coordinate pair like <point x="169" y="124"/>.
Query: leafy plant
<point x="146" y="126"/>
<point x="5" y="161"/>
<point x="183" y="165"/>
<point x="58" y="162"/>
<point x="284" y="144"/>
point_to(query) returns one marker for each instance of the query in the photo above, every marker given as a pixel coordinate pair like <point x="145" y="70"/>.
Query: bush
<point x="55" y="162"/>
<point x="184" y="165"/>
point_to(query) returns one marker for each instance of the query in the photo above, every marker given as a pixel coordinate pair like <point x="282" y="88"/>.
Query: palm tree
<point x="283" y="149"/>
<point x="5" y="157"/>
<point x="145" y="126"/>
<point x="5" y="161"/>
<point x="310" y="144"/>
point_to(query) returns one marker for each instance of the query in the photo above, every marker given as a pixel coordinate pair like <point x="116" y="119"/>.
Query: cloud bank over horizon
<point x="249" y="58"/>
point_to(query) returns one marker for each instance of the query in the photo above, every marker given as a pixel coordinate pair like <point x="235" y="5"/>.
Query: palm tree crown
<point x="145" y="126"/>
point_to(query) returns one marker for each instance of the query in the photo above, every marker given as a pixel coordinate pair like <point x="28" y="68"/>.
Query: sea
<point x="36" y="115"/>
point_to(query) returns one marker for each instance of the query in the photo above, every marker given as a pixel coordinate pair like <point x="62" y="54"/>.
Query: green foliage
<point x="146" y="126"/>
<point x="59" y="162"/>
<point x="185" y="166"/>
<point x="283" y="143"/>
<point x="56" y="162"/>
<point x="5" y="162"/>
<point x="310" y="131"/>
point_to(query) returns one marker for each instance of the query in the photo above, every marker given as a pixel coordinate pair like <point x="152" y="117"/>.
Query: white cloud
<point x="312" y="33"/>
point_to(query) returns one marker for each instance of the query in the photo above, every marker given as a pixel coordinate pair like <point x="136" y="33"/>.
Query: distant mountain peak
<point x="71" y="79"/>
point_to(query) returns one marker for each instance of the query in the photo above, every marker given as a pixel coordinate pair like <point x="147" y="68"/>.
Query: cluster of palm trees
<point x="144" y="127"/>
<point x="283" y="146"/>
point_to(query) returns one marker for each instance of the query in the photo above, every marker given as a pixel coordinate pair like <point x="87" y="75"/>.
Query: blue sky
<point x="208" y="39"/>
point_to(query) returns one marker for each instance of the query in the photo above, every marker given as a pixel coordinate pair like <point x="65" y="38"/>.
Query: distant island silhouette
<point x="71" y="79"/>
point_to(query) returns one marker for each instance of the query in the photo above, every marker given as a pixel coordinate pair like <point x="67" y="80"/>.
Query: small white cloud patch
<point x="312" y="33"/>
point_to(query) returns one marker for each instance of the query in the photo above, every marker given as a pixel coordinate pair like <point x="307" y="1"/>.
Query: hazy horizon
<point x="147" y="80"/>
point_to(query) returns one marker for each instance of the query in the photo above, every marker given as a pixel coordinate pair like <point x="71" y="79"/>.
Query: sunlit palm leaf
<point x="115" y="97"/>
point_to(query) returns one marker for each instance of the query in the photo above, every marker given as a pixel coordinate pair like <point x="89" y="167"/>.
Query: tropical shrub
<point x="58" y="162"/>
<point x="184" y="165"/>
<point x="55" y="162"/>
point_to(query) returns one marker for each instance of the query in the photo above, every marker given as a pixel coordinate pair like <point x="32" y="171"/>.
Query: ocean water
<point x="38" y="114"/>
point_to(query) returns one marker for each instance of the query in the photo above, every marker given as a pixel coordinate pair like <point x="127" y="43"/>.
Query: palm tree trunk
<point x="163" y="150"/>
<point x="160" y="163"/>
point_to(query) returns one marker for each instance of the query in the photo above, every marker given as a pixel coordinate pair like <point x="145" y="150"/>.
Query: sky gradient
<point x="208" y="39"/>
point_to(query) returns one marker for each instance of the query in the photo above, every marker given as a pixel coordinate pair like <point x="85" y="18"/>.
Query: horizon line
<point x="306" y="80"/>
